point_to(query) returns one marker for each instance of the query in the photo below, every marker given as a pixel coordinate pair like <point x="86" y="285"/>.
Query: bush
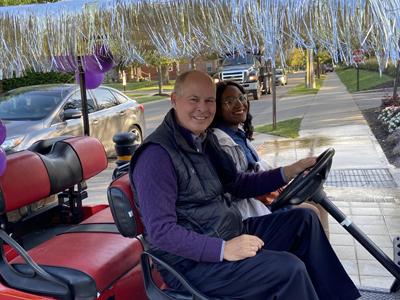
<point x="390" y="101"/>
<point x="371" y="64"/>
<point x="33" y="78"/>
<point x="390" y="116"/>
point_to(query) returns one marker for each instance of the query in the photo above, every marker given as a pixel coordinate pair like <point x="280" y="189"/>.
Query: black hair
<point x="247" y="125"/>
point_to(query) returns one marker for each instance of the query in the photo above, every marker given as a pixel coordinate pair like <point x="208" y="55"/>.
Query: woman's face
<point x="234" y="106"/>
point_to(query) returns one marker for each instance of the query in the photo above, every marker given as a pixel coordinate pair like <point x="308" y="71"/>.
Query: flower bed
<point x="384" y="122"/>
<point x="390" y="116"/>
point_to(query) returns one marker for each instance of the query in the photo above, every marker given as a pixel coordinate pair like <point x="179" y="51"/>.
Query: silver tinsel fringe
<point x="35" y="36"/>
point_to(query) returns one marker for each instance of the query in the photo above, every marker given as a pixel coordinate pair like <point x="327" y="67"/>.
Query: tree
<point x="162" y="64"/>
<point x="20" y="2"/>
<point x="324" y="57"/>
<point x="297" y="59"/>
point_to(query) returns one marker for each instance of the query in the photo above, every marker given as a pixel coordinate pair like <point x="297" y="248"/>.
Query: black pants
<point x="297" y="262"/>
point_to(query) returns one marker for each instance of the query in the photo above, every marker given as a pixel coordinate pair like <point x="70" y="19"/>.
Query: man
<point x="180" y="175"/>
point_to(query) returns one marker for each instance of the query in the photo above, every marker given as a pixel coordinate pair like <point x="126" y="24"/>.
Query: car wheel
<point x="139" y="137"/>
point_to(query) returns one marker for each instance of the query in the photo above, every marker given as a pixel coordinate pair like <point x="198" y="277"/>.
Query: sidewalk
<point x="362" y="183"/>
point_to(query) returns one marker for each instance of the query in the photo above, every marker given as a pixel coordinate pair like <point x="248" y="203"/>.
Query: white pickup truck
<point x="249" y="71"/>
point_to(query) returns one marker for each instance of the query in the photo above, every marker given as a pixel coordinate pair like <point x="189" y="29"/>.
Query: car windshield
<point x="29" y="104"/>
<point x="278" y="71"/>
<point x="238" y="60"/>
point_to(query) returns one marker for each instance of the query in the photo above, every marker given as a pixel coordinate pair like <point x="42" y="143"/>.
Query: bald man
<point x="180" y="176"/>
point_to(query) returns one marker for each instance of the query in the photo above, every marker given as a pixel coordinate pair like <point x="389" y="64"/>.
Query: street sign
<point x="358" y="55"/>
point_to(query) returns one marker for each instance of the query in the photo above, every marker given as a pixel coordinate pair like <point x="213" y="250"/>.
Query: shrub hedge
<point x="371" y="64"/>
<point x="33" y="78"/>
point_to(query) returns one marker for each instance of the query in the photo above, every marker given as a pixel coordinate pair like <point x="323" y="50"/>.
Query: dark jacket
<point x="201" y="205"/>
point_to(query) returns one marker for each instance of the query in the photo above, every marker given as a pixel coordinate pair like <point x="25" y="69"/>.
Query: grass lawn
<point x="149" y="98"/>
<point x="135" y="95"/>
<point x="300" y="89"/>
<point x="169" y="87"/>
<point x="141" y="86"/>
<point x="289" y="128"/>
<point x="132" y="85"/>
<point x="368" y="79"/>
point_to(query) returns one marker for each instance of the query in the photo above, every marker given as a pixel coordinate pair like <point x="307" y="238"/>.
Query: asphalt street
<point x="260" y="109"/>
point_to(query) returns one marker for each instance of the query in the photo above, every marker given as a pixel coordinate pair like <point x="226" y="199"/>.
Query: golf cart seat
<point x="127" y="219"/>
<point x="86" y="260"/>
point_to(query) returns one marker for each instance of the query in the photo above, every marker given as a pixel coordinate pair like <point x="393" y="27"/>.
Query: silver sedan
<point x="44" y="111"/>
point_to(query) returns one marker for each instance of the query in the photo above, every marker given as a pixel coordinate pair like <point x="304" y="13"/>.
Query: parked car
<point x="44" y="111"/>
<point x="329" y="68"/>
<point x="280" y="77"/>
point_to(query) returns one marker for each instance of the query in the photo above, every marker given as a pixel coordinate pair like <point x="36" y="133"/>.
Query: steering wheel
<point x="304" y="185"/>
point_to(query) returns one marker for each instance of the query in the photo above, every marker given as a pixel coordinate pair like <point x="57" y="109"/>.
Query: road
<point x="260" y="109"/>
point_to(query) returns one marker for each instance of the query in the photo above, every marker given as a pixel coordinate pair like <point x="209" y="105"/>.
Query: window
<point x="105" y="99"/>
<point x="120" y="98"/>
<point x="75" y="102"/>
<point x="29" y="104"/>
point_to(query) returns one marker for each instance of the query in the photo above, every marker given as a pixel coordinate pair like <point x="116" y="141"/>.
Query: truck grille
<point x="237" y="76"/>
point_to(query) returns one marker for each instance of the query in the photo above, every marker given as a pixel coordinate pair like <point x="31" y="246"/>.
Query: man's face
<point x="194" y="103"/>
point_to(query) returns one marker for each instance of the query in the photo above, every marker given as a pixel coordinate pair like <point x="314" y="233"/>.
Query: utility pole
<point x="273" y="100"/>
<point x="318" y="65"/>
<point x="310" y="82"/>
<point x="307" y="70"/>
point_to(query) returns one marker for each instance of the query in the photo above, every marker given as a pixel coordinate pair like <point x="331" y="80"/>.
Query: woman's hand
<point x="293" y="170"/>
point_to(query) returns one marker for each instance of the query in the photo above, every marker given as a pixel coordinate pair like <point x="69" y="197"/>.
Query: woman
<point x="232" y="125"/>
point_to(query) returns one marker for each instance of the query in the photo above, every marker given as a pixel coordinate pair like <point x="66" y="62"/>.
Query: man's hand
<point x="242" y="247"/>
<point x="292" y="170"/>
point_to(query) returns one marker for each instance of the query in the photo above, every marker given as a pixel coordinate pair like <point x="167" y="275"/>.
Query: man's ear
<point x="173" y="99"/>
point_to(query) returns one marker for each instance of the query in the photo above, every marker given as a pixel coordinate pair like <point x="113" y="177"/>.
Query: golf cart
<point x="70" y="250"/>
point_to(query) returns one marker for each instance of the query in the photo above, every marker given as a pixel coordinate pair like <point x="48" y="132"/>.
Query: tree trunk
<point x="160" y="80"/>
<point x="396" y="81"/>
<point x="165" y="74"/>
<point x="193" y="63"/>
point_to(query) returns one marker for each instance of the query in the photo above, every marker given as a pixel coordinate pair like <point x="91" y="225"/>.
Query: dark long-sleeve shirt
<point x="156" y="186"/>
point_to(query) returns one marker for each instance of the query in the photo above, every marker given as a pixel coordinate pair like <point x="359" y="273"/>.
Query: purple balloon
<point x="102" y="64"/>
<point x="92" y="79"/>
<point x="3" y="161"/>
<point x="3" y="132"/>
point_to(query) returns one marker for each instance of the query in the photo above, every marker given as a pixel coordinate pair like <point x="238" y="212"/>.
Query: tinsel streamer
<point x="138" y="31"/>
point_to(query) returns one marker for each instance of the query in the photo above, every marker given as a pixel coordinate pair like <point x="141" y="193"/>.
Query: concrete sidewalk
<point x="362" y="183"/>
<point x="332" y="119"/>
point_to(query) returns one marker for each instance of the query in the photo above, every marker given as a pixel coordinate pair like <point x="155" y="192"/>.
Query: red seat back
<point x="123" y="208"/>
<point x="30" y="176"/>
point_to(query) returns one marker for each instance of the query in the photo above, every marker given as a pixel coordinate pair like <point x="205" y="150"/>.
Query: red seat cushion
<point x="105" y="257"/>
<point x="102" y="217"/>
